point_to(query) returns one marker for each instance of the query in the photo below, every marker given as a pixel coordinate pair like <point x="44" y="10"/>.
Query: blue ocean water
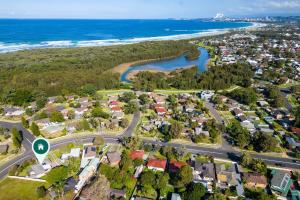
<point x="172" y="64"/>
<point x="17" y="34"/>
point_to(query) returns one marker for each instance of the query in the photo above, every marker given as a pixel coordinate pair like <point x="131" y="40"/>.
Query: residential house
<point x="175" y="196"/>
<point x="51" y="100"/>
<point x="139" y="154"/>
<point x="113" y="104"/>
<point x="79" y="112"/>
<point x="36" y="171"/>
<point x="174" y="165"/>
<point x="295" y="130"/>
<point x="292" y="143"/>
<point x="13" y="112"/>
<point x="138" y="171"/>
<point x="206" y="95"/>
<point x="281" y="182"/>
<point x="226" y="177"/>
<point x="117" y="194"/>
<point x="114" y="158"/>
<point x="3" y="148"/>
<point x="157" y="164"/>
<point x="204" y="171"/>
<point x="87" y="173"/>
<point x="237" y="112"/>
<point x="89" y="153"/>
<point x="255" y="181"/>
<point x="43" y="123"/>
<point x="116" y="109"/>
<point x="161" y="111"/>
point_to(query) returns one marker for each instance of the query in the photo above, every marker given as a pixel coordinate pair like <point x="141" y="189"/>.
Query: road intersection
<point x="223" y="152"/>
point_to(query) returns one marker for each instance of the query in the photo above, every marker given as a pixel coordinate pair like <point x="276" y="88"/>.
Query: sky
<point x="144" y="9"/>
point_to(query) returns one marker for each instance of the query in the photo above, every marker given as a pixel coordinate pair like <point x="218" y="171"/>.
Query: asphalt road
<point x="28" y="138"/>
<point x="285" y="92"/>
<point x="224" y="152"/>
<point x="220" y="120"/>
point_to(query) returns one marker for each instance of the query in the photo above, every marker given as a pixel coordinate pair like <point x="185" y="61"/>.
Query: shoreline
<point x="133" y="73"/>
<point x="122" y="68"/>
<point x="14" y="47"/>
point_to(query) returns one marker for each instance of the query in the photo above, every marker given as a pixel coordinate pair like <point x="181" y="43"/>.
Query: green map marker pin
<point x="40" y="148"/>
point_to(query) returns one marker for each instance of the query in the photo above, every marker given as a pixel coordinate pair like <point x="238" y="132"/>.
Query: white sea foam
<point x="11" y="47"/>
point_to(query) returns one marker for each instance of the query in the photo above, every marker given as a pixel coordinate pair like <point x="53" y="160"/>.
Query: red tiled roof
<point x="158" y="105"/>
<point x="160" y="110"/>
<point x="157" y="163"/>
<point x="137" y="154"/>
<point x="113" y="103"/>
<point x="296" y="130"/>
<point x="116" y="108"/>
<point x="176" y="165"/>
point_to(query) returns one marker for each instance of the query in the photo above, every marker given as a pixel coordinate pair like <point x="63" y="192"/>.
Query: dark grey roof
<point x="206" y="169"/>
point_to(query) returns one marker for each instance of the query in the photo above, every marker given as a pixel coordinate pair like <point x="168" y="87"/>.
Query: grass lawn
<point x="292" y="100"/>
<point x="175" y="91"/>
<point x="13" y="189"/>
<point x="288" y="84"/>
<point x="106" y="92"/>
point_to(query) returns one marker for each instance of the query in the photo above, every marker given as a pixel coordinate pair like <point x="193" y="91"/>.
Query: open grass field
<point x="13" y="189"/>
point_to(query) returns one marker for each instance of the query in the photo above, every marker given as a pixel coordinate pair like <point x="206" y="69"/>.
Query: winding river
<point x="171" y="64"/>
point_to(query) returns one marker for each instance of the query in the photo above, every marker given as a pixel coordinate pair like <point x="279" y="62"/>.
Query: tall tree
<point x="25" y="122"/>
<point x="35" y="129"/>
<point x="16" y="137"/>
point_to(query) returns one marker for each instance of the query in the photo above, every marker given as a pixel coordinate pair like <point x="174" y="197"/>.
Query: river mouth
<point x="168" y="65"/>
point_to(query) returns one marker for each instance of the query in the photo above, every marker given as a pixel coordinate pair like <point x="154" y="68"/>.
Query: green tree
<point x="56" y="116"/>
<point x="266" y="143"/>
<point x="195" y="191"/>
<point x="217" y="196"/>
<point x="71" y="114"/>
<point x="130" y="108"/>
<point x="41" y="191"/>
<point x="83" y="125"/>
<point x="127" y="97"/>
<point x="297" y="116"/>
<point x="162" y="181"/>
<point x="98" y="140"/>
<point x="89" y="89"/>
<point x="35" y="129"/>
<point x="124" y="122"/>
<point x="244" y="95"/>
<point x="25" y="122"/>
<point x="184" y="176"/>
<point x="41" y="102"/>
<point x="144" y="99"/>
<point x="125" y="162"/>
<point x="259" y="166"/>
<point x="148" y="178"/>
<point x="176" y="129"/>
<point x="246" y="159"/>
<point x="57" y="175"/>
<point x="16" y="137"/>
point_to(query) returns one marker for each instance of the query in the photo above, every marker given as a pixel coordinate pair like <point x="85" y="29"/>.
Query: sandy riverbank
<point x="132" y="74"/>
<point x="124" y="67"/>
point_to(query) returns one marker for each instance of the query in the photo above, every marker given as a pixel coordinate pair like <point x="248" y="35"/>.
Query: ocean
<point x="20" y="34"/>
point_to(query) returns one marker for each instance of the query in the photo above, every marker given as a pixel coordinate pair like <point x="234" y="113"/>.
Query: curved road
<point x="215" y="152"/>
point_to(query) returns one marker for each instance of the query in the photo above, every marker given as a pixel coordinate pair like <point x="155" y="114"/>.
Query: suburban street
<point x="220" y="120"/>
<point x="225" y="152"/>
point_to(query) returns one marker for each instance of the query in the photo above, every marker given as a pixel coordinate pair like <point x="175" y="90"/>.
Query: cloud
<point x="292" y="4"/>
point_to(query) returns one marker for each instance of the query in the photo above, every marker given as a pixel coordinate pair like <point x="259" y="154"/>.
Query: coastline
<point x="13" y="47"/>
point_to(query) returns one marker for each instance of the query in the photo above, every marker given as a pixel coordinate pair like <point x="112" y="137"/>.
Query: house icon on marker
<point x="41" y="147"/>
